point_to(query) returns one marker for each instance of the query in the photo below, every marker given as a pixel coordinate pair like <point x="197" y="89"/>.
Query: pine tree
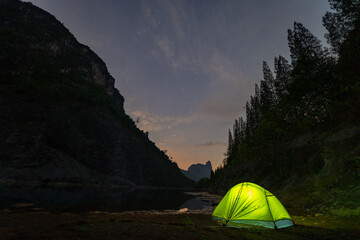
<point x="349" y="58"/>
<point x="255" y="114"/>
<point x="248" y="128"/>
<point x="311" y="76"/>
<point x="242" y="134"/>
<point x="340" y="22"/>
<point x="236" y="131"/>
<point x="337" y="30"/>
<point x="266" y="90"/>
<point x="256" y="104"/>
<point x="230" y="145"/>
<point x="268" y="76"/>
<point x="257" y="91"/>
<point x="282" y="76"/>
<point x="265" y="98"/>
<point x="303" y="44"/>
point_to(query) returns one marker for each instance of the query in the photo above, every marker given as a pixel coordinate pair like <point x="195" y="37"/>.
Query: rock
<point x="198" y="171"/>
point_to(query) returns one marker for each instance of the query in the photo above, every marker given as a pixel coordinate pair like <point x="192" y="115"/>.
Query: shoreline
<point x="38" y="183"/>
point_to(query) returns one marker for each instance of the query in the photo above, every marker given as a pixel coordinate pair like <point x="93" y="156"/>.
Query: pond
<point x="82" y="200"/>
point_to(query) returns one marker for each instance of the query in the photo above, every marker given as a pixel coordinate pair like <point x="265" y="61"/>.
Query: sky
<point x="187" y="67"/>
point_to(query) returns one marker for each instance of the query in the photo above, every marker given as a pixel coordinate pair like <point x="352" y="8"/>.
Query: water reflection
<point x="81" y="200"/>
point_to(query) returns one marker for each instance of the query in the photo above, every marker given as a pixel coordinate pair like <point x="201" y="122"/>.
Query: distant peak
<point x="198" y="170"/>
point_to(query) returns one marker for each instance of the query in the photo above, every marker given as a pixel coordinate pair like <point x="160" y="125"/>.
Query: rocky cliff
<point x="198" y="171"/>
<point x="61" y="119"/>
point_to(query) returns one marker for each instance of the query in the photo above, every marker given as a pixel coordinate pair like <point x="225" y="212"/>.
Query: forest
<point x="316" y="90"/>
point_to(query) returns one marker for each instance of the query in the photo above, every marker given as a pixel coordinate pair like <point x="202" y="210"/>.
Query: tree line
<point x="307" y="92"/>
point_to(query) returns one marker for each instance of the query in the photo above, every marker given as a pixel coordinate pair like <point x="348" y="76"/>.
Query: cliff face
<point x="33" y="40"/>
<point x="61" y="119"/>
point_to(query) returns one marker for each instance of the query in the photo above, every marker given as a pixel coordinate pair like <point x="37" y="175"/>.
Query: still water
<point x="82" y="200"/>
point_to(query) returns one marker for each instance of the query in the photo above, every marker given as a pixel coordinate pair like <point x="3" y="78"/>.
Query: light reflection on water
<point x="81" y="200"/>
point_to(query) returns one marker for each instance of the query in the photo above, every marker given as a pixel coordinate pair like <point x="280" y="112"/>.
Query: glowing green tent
<point x="248" y="203"/>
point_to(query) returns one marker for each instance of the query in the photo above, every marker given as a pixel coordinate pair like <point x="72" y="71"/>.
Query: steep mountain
<point x="198" y="171"/>
<point x="61" y="118"/>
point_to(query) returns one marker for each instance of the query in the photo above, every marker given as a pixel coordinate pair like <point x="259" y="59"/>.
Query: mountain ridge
<point x="198" y="171"/>
<point x="61" y="118"/>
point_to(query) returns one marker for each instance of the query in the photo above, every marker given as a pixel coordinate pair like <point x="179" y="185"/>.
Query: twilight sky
<point x="187" y="67"/>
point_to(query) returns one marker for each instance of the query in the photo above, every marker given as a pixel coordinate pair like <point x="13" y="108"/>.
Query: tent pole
<point x="269" y="209"/>
<point x="237" y="199"/>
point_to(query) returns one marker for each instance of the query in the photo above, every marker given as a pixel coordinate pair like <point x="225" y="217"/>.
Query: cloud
<point x="211" y="144"/>
<point x="165" y="47"/>
<point x="151" y="122"/>
<point x="174" y="34"/>
<point x="184" y="44"/>
<point x="227" y="86"/>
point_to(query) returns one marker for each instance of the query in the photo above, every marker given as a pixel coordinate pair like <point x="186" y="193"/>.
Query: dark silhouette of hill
<point x="198" y="171"/>
<point x="61" y="118"/>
